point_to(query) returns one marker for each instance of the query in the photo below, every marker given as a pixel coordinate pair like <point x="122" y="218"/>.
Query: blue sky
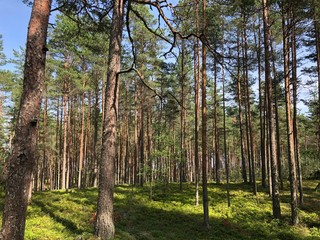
<point x="14" y="19"/>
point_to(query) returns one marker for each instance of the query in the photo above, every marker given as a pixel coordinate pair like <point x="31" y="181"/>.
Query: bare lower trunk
<point x="272" y="138"/>
<point x="22" y="160"/>
<point x="105" y="228"/>
<point x="204" y="124"/>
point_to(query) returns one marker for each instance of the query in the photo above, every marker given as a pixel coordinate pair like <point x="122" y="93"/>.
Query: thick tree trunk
<point x="22" y="161"/>
<point x="105" y="224"/>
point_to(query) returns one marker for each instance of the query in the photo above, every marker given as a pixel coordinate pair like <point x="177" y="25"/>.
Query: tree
<point x="104" y="227"/>
<point x="205" y="200"/>
<point x="270" y="114"/>
<point x="22" y="160"/>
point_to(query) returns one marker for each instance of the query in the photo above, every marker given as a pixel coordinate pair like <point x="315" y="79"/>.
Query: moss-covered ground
<point x="172" y="214"/>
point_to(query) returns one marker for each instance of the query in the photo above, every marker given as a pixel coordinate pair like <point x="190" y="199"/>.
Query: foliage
<point x="171" y="214"/>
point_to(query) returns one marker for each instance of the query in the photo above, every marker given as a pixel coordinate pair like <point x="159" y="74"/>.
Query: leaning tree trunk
<point x="22" y="160"/>
<point x="105" y="224"/>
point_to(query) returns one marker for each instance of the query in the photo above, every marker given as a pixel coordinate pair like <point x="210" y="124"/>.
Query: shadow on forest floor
<point x="172" y="214"/>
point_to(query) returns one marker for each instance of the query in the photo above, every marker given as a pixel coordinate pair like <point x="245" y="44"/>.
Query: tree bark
<point x="295" y="120"/>
<point x="239" y="96"/>
<point x="204" y="122"/>
<point x="22" y="160"/>
<point x="247" y="92"/>
<point x="105" y="228"/>
<point x="272" y="139"/>
<point x="196" y="118"/>
<point x="290" y="135"/>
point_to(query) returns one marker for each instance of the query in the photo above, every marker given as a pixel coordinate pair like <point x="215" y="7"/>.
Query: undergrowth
<point x="172" y="214"/>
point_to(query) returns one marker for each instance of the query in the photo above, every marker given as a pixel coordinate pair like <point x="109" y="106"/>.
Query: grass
<point x="172" y="214"/>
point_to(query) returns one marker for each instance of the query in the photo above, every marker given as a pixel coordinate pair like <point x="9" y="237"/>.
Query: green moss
<point x="172" y="214"/>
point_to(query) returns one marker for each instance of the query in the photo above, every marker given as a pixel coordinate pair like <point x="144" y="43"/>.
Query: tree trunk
<point x="44" y="141"/>
<point x="82" y="137"/>
<point x="247" y="92"/>
<point x="196" y="119"/>
<point x="239" y="96"/>
<point x="290" y="136"/>
<point x="295" y="121"/>
<point x="105" y="228"/>
<point x="226" y="155"/>
<point x="276" y="106"/>
<point x="22" y="160"/>
<point x="317" y="36"/>
<point x="272" y="139"/>
<point x="204" y="122"/>
<point x="257" y="40"/>
<point x="215" y="132"/>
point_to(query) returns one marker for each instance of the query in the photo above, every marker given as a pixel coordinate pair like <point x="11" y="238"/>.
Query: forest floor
<point x="172" y="214"/>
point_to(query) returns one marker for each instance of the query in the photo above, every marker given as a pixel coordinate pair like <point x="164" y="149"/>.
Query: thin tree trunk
<point x="226" y="155"/>
<point x="272" y="139"/>
<point x="257" y="40"/>
<point x="317" y="38"/>
<point x="45" y="162"/>
<point x="65" y="131"/>
<point x="276" y="107"/>
<point x="196" y="117"/>
<point x="22" y="160"/>
<point x="290" y="135"/>
<point x="215" y="130"/>
<point x="82" y="136"/>
<point x="239" y="96"/>
<point x="141" y="136"/>
<point x="295" y="121"/>
<point x="136" y="138"/>
<point x="247" y="92"/>
<point x="204" y="122"/>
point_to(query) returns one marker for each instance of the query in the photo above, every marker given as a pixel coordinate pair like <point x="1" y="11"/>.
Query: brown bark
<point x="290" y="135"/>
<point x="226" y="155"/>
<point x="196" y="118"/>
<point x="276" y="107"/>
<point x="82" y="137"/>
<point x="22" y="160"/>
<point x="204" y="122"/>
<point x="215" y="125"/>
<point x="64" y="151"/>
<point x="272" y="139"/>
<point x="239" y="96"/>
<point x="105" y="228"/>
<point x="295" y="121"/>
<point x="257" y="40"/>
<point x="248" y="107"/>
<point x="316" y="23"/>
